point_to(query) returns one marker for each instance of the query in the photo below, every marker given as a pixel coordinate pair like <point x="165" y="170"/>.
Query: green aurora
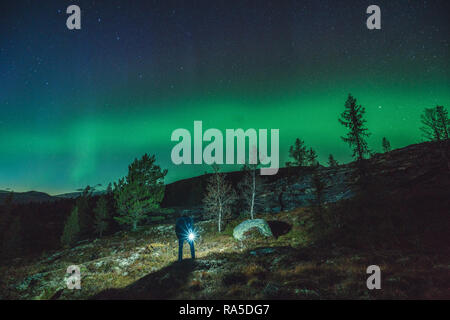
<point x="68" y="126"/>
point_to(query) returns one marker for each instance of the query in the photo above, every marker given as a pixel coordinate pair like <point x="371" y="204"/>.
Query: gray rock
<point x="260" y="224"/>
<point x="125" y="262"/>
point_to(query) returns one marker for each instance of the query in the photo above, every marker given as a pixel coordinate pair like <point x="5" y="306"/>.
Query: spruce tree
<point x="109" y="189"/>
<point x="311" y="157"/>
<point x="102" y="215"/>
<point x="85" y="212"/>
<point x="71" y="229"/>
<point x="298" y="153"/>
<point x="332" y="163"/>
<point x="353" y="119"/>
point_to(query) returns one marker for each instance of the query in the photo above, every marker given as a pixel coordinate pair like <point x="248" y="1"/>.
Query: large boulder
<point x="261" y="225"/>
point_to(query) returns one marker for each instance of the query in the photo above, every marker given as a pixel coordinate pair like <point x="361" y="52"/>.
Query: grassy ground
<point x="288" y="266"/>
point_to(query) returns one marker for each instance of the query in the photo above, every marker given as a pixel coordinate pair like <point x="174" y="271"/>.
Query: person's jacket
<point x="183" y="226"/>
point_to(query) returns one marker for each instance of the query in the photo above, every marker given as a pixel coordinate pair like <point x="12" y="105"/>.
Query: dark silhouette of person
<point x="183" y="227"/>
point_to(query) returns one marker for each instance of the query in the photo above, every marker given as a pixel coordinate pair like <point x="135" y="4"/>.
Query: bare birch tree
<point x="220" y="196"/>
<point x="250" y="188"/>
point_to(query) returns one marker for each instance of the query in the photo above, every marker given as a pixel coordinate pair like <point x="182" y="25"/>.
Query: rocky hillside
<point x="291" y="187"/>
<point x="419" y="166"/>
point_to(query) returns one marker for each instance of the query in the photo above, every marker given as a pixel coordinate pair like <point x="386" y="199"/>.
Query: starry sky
<point x="77" y="106"/>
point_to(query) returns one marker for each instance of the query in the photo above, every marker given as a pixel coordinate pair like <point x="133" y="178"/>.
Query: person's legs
<point x="180" y="249"/>
<point x="191" y="244"/>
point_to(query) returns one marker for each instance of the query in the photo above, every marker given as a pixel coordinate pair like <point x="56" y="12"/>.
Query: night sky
<point x="77" y="106"/>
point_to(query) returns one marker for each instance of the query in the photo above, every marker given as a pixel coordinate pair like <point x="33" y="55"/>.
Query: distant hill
<point x="36" y="196"/>
<point x="74" y="195"/>
<point x="26" y="197"/>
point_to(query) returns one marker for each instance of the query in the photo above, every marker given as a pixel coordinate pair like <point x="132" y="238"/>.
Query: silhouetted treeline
<point x="40" y="226"/>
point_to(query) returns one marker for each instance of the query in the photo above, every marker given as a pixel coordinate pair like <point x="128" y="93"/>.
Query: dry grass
<point x="226" y="269"/>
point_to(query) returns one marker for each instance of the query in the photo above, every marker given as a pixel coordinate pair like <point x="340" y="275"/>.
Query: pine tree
<point x="353" y="119"/>
<point x="386" y="145"/>
<point x="71" y="229"/>
<point x="332" y="163"/>
<point x="311" y="158"/>
<point x="219" y="197"/>
<point x="84" y="212"/>
<point x="140" y="192"/>
<point x="109" y="189"/>
<point x="298" y="153"/>
<point x="102" y="216"/>
<point x="109" y="196"/>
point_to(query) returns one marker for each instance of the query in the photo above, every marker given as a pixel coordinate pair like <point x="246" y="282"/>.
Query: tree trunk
<point x="220" y="219"/>
<point x="253" y="195"/>
<point x="220" y="202"/>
